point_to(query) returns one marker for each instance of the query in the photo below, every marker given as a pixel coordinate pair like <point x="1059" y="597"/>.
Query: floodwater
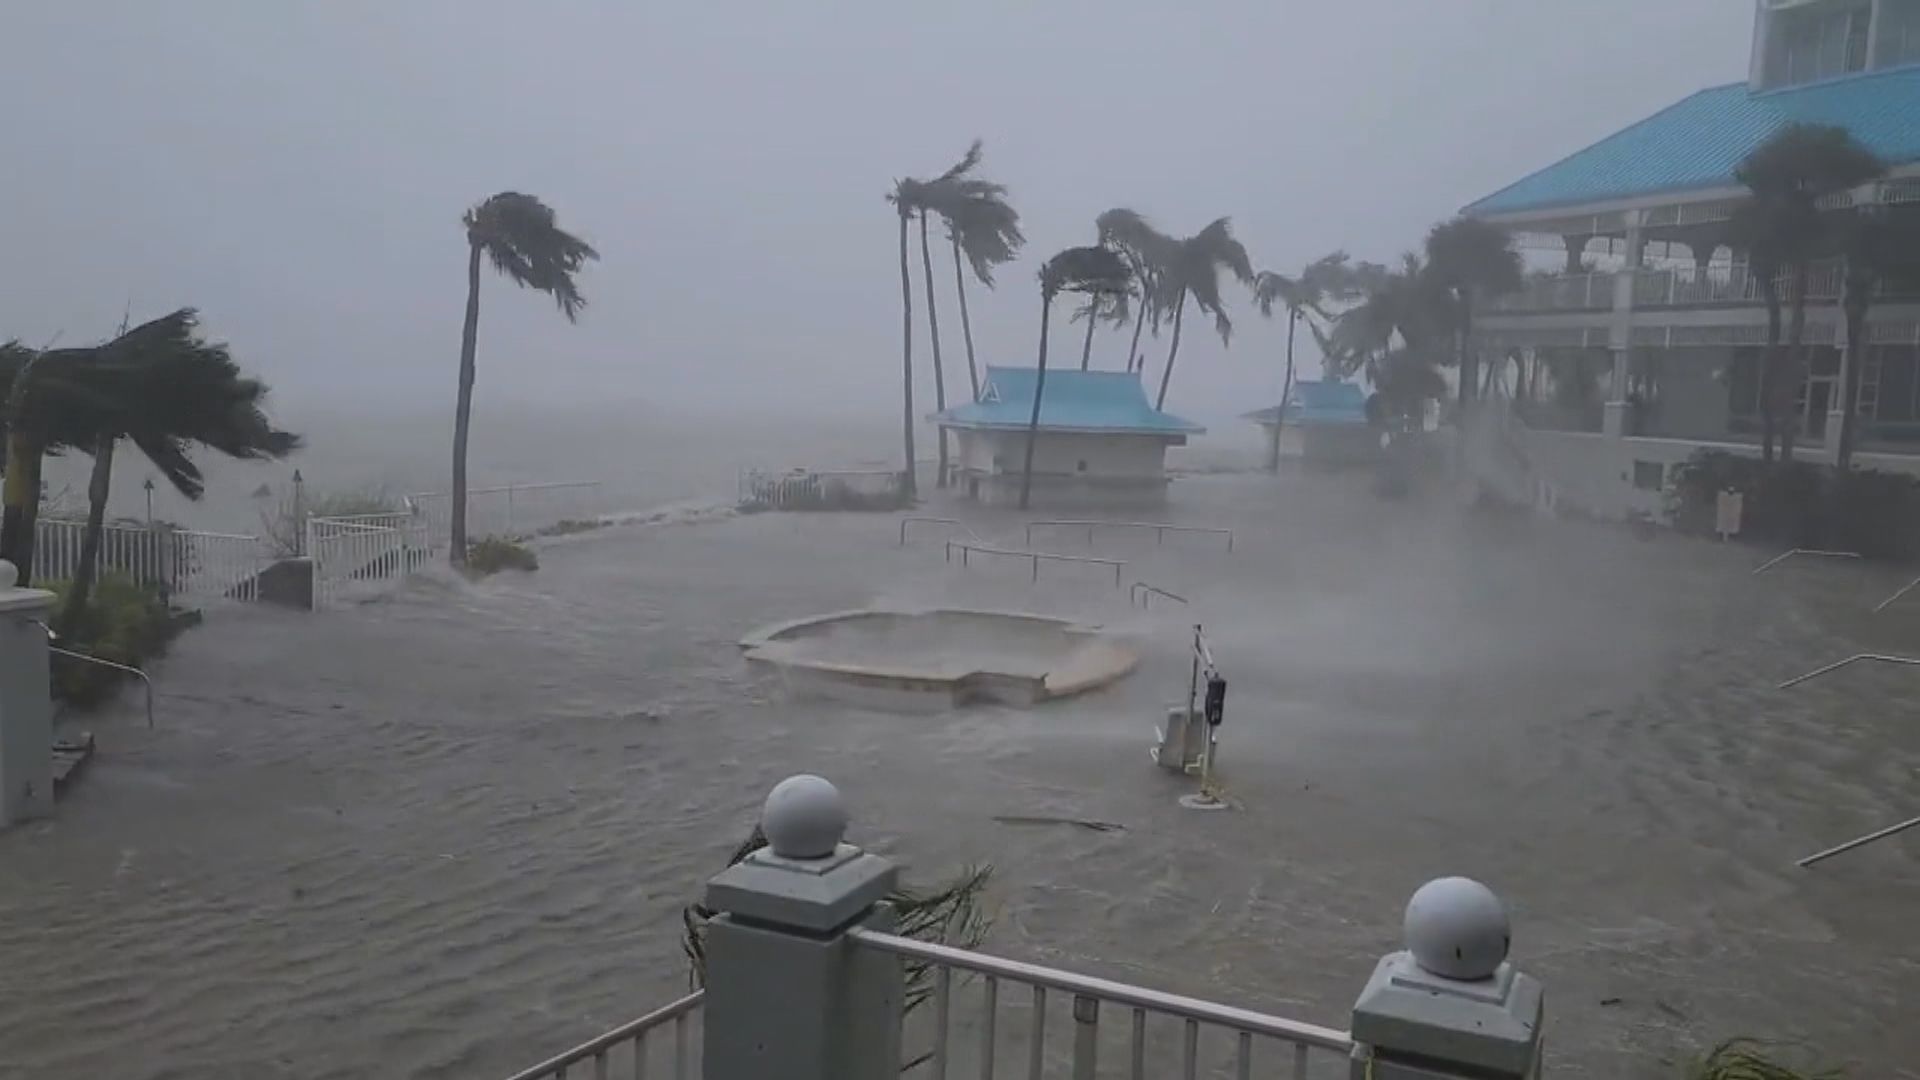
<point x="449" y="833"/>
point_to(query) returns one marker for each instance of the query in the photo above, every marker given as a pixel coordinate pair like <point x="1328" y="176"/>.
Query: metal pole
<point x="1862" y="842"/>
<point x="1911" y="585"/>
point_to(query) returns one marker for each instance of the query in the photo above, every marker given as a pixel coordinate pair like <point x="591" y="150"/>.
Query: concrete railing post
<point x="26" y="710"/>
<point x="789" y="996"/>
<point x="1449" y="1007"/>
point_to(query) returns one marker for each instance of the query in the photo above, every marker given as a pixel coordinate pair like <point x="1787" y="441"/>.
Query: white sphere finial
<point x="1457" y="928"/>
<point x="804" y="818"/>
<point x="9" y="574"/>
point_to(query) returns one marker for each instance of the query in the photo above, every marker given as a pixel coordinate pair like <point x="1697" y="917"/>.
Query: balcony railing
<point x="804" y="983"/>
<point x="1568" y="292"/>
<point x="1682" y="287"/>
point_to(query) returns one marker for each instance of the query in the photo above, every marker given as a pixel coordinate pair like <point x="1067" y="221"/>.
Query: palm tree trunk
<point x="1796" y="371"/>
<point x="907" y="485"/>
<point x="1086" y="347"/>
<point x="22" y="487"/>
<point x="1179" y="309"/>
<point x="1769" y="365"/>
<point x="933" y="330"/>
<point x="966" y="323"/>
<point x="1859" y="297"/>
<point x="1039" y="388"/>
<point x="463" y="411"/>
<point x="1286" y="387"/>
<point x="1469" y="360"/>
<point x="99" y="484"/>
<point x="1134" y="360"/>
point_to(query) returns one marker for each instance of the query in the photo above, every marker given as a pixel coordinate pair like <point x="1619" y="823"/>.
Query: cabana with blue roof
<point x="1099" y="442"/>
<point x="1646" y="343"/>
<point x="1323" y="423"/>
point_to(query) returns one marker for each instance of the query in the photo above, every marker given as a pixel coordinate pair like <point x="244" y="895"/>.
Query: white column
<point x="1837" y="403"/>
<point x="26" y="709"/>
<point x="789" y="996"/>
<point x="1614" y="419"/>
<point x="1875" y="18"/>
<point x="1450" y="1007"/>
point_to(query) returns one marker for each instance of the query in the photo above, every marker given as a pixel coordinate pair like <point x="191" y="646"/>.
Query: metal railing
<point x="966" y="549"/>
<point x="1872" y="658"/>
<point x="179" y="562"/>
<point x="1141" y="594"/>
<point x="1560" y="292"/>
<point x="1088" y="995"/>
<point x="629" y="1041"/>
<point x="364" y="553"/>
<point x="906" y="521"/>
<point x="1160" y="528"/>
<point x="1785" y="555"/>
<point x="822" y="489"/>
<point x="509" y="509"/>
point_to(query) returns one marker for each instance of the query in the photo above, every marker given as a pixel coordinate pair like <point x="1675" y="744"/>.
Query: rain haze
<point x="425" y="793"/>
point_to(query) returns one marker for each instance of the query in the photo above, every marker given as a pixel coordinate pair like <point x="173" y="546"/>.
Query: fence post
<point x="26" y="709"/>
<point x="789" y="996"/>
<point x="1449" y="1007"/>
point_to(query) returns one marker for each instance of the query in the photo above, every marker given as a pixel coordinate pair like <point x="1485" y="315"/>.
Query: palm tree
<point x="519" y="235"/>
<point x="1871" y="244"/>
<point x="1113" y="308"/>
<point x="1089" y="270"/>
<point x="1148" y="252"/>
<point x="1324" y="278"/>
<point x="179" y="392"/>
<point x="1193" y="269"/>
<point x="983" y="225"/>
<point x="1468" y="257"/>
<point x="1392" y="334"/>
<point x="1788" y="175"/>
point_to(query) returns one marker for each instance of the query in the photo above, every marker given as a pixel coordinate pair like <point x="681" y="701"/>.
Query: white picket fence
<point x="364" y="555"/>
<point x="180" y="562"/>
<point x="509" y="510"/>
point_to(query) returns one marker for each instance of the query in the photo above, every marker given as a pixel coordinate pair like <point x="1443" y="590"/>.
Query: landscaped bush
<point x="125" y="623"/>
<point x="492" y="554"/>
<point x="1802" y="504"/>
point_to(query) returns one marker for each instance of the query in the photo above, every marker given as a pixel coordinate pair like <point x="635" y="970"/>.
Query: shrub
<point x="125" y="623"/>
<point x="570" y="527"/>
<point x="1802" y="504"/>
<point x="492" y="554"/>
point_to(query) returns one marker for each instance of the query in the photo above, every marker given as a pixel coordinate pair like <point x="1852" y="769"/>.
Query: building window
<point x="1819" y="43"/>
<point x="1083" y="465"/>
<point x="1899" y="36"/>
<point x="999" y="463"/>
<point x="1649" y="475"/>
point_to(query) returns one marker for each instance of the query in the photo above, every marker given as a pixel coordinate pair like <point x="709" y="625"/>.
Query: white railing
<point x="822" y="489"/>
<point x="629" y="1044"/>
<point x="366" y="554"/>
<point x="967" y="550"/>
<point x="1160" y="529"/>
<point x="1560" y="292"/>
<point x="1245" y="1030"/>
<point x="179" y="562"/>
<point x="510" y="509"/>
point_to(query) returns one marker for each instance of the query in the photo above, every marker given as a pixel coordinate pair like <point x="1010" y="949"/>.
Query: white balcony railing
<point x="1568" y="292"/>
<point x="630" y="1046"/>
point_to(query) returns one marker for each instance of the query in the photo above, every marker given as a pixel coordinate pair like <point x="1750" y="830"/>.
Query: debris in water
<point x="1084" y="823"/>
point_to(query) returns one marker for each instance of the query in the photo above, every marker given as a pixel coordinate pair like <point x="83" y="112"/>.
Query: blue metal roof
<point x="1109" y="402"/>
<point x="1313" y="403"/>
<point x="1697" y="142"/>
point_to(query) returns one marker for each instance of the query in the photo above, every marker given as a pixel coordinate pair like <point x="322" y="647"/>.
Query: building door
<point x="1813" y="408"/>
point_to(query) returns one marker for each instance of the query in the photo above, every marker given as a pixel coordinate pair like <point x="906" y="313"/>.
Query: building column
<point x="1576" y="253"/>
<point x="1837" y="404"/>
<point x="1614" y="420"/>
<point x="26" y="709"/>
<point x="1449" y="1007"/>
<point x="1876" y="15"/>
<point x="788" y="994"/>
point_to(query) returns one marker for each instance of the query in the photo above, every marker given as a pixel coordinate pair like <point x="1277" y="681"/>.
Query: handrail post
<point x="1449" y="1005"/>
<point x="26" y="707"/>
<point x="789" y="995"/>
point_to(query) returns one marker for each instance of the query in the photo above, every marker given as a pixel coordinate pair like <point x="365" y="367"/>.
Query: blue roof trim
<point x="1698" y="141"/>
<point x="1107" y="402"/>
<point x="1316" y="403"/>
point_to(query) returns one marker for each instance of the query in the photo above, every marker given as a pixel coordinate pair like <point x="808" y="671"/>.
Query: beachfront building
<point x="1099" y="442"/>
<point x="1643" y="341"/>
<point x="1321" y="423"/>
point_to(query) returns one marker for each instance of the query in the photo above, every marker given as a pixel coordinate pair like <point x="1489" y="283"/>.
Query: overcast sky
<point x="297" y="169"/>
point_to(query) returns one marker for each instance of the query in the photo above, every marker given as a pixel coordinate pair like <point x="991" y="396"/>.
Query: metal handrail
<point x="1141" y="592"/>
<point x="1161" y="529"/>
<point x="1904" y="590"/>
<point x="905" y="521"/>
<point x="1784" y="556"/>
<point x="634" y="1031"/>
<point x="966" y="548"/>
<point x="1908" y="661"/>
<point x="1244" y="1021"/>
<point x="134" y="671"/>
<point x="1863" y="841"/>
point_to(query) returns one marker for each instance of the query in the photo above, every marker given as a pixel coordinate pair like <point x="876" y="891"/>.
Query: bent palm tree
<point x="1193" y="270"/>
<point x="1094" y="271"/>
<point x="1788" y="175"/>
<point x="519" y="235"/>
<point x="1148" y="252"/>
<point x="1324" y="278"/>
<point x="986" y="228"/>
<point x="1468" y="257"/>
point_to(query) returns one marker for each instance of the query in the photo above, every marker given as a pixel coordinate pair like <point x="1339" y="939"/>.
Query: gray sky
<point x="297" y="169"/>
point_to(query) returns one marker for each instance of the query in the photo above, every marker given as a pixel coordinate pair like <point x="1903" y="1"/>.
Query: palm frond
<point x="1749" y="1059"/>
<point x="523" y="240"/>
<point x="1092" y="270"/>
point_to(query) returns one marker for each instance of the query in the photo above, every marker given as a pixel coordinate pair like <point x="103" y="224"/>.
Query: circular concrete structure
<point x="963" y="654"/>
